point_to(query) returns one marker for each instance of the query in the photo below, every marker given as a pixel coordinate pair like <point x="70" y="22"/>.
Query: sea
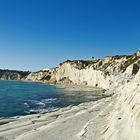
<point x="18" y="98"/>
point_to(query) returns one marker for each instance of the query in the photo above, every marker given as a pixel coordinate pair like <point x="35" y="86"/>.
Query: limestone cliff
<point x="125" y="118"/>
<point x="96" y="73"/>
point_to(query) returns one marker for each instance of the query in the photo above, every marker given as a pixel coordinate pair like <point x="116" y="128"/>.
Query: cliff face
<point x="125" y="118"/>
<point x="96" y="73"/>
<point x="38" y="76"/>
<point x="13" y="75"/>
<point x="69" y="72"/>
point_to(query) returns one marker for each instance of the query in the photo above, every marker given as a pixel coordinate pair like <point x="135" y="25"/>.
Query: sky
<point x="38" y="34"/>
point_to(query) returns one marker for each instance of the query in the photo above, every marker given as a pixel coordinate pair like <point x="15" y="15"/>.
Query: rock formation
<point x="13" y="75"/>
<point x="96" y="73"/>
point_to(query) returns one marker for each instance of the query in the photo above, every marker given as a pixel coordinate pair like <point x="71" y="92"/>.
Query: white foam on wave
<point x="49" y="100"/>
<point x="35" y="106"/>
<point x="26" y="104"/>
<point x="34" y="102"/>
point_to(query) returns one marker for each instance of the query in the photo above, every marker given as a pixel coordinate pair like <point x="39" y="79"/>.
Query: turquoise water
<point x="23" y="98"/>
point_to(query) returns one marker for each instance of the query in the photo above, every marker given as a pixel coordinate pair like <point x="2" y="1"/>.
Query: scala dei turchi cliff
<point x="116" y="117"/>
<point x="95" y="73"/>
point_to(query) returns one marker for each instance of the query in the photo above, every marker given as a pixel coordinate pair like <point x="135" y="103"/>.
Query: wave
<point x="33" y="103"/>
<point x="32" y="111"/>
<point x="35" y="106"/>
<point x="49" y="100"/>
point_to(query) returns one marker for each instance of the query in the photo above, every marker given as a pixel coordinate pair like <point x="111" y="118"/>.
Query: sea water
<point x="23" y="98"/>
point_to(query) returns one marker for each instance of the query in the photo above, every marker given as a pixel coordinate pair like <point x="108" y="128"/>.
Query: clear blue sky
<point x="37" y="34"/>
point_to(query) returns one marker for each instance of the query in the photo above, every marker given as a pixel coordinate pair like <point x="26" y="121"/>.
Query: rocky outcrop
<point x="39" y="76"/>
<point x="13" y="75"/>
<point x="96" y="73"/>
<point x="125" y="118"/>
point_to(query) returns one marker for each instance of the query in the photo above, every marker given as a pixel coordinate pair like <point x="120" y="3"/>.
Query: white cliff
<point x="97" y="73"/>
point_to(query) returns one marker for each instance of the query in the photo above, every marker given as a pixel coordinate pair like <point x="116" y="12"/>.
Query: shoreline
<point x="32" y="126"/>
<point x="63" y="87"/>
<point x="38" y="123"/>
